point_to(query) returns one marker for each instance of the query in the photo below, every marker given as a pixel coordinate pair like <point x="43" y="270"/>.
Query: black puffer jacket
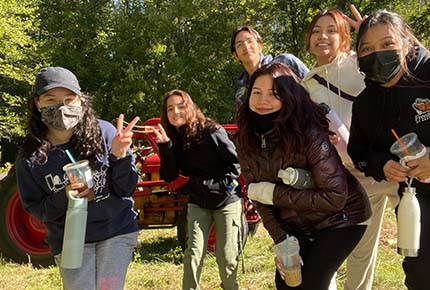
<point x="211" y="163"/>
<point x="338" y="200"/>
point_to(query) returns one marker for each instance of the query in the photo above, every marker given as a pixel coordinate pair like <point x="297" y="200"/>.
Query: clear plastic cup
<point x="409" y="147"/>
<point x="80" y="172"/>
<point x="290" y="257"/>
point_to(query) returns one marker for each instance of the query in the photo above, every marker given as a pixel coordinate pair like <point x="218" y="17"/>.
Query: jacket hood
<point x="419" y="57"/>
<point x="326" y="67"/>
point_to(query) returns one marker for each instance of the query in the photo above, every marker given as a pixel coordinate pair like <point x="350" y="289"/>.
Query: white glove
<point x="261" y="192"/>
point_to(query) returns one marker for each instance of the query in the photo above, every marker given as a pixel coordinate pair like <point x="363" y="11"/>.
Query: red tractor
<point x="159" y="205"/>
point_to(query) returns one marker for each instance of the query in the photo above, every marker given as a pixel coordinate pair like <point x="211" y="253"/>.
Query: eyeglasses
<point x="49" y="100"/>
<point x="241" y="44"/>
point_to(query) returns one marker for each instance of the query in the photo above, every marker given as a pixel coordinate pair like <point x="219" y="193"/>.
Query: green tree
<point x="420" y="21"/>
<point x="169" y="44"/>
<point x="128" y="53"/>
<point x="74" y="34"/>
<point x="17" y="61"/>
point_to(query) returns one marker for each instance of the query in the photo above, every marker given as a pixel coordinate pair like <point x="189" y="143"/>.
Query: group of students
<point x="281" y="124"/>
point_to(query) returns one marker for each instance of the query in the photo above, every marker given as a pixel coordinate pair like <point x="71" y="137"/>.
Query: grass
<point x="157" y="265"/>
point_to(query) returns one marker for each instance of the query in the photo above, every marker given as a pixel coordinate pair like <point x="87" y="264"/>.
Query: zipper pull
<point x="263" y="142"/>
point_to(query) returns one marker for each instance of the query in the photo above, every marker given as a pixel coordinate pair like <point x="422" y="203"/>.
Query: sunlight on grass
<point x="388" y="272"/>
<point x="157" y="265"/>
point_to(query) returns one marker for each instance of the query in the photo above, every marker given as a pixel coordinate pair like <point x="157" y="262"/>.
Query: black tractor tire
<point x="16" y="227"/>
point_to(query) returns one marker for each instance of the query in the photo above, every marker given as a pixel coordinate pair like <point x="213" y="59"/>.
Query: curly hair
<point x="86" y="140"/>
<point x="195" y="121"/>
<point x="298" y="117"/>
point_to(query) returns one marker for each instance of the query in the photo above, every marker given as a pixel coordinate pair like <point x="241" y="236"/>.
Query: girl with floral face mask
<point x="61" y="119"/>
<point x="397" y="96"/>
<point x="60" y="108"/>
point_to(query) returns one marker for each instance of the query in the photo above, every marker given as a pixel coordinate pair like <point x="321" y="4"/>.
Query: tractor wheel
<point x="22" y="237"/>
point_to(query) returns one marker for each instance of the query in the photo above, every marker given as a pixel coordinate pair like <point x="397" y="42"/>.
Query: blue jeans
<point x="227" y="225"/>
<point x="104" y="265"/>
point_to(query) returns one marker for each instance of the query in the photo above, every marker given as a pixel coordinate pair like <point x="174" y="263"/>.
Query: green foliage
<point x="128" y="53"/>
<point x="17" y="19"/>
<point x="421" y="22"/>
<point x="18" y="22"/>
<point x="10" y="115"/>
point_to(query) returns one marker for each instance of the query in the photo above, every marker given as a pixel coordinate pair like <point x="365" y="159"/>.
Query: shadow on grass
<point x="159" y="250"/>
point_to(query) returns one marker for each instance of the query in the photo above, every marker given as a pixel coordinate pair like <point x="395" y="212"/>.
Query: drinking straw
<point x="70" y="156"/>
<point x="397" y="136"/>
<point x="73" y="161"/>
<point x="400" y="141"/>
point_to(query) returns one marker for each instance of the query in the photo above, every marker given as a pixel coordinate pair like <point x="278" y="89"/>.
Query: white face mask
<point x="61" y="117"/>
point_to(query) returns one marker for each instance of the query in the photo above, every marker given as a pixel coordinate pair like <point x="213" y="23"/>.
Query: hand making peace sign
<point x="122" y="140"/>
<point x="358" y="18"/>
<point x="161" y="134"/>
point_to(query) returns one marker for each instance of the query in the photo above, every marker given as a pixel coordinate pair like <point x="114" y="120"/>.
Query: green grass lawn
<point x="157" y="265"/>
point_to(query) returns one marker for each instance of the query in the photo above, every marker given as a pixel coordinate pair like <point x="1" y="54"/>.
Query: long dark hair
<point x="195" y="122"/>
<point x="298" y="117"/>
<point x="86" y="140"/>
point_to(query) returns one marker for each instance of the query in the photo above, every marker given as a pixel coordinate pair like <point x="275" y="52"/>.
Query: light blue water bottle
<point x="74" y="233"/>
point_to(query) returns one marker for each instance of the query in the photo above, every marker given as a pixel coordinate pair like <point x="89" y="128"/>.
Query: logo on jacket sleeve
<point x="324" y="146"/>
<point x="422" y="107"/>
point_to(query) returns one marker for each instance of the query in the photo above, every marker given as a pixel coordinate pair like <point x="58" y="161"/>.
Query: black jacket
<point x="404" y="107"/>
<point x="211" y="163"/>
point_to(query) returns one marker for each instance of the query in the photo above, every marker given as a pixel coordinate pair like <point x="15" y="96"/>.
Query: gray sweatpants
<point x="104" y="265"/>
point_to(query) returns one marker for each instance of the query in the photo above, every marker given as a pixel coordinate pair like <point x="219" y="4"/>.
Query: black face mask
<point x="264" y="123"/>
<point x="380" y="66"/>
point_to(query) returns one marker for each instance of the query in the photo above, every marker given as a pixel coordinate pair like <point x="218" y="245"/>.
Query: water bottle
<point x="74" y="233"/>
<point x="297" y="177"/>
<point x="337" y="126"/>
<point x="408" y="224"/>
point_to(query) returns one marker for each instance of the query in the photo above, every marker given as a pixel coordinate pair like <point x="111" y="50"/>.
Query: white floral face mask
<point x="61" y="116"/>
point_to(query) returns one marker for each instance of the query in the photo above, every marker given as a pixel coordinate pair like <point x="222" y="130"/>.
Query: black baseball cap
<point x="55" y="77"/>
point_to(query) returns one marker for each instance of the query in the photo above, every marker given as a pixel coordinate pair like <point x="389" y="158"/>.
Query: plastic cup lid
<point x="406" y="141"/>
<point x="78" y="165"/>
